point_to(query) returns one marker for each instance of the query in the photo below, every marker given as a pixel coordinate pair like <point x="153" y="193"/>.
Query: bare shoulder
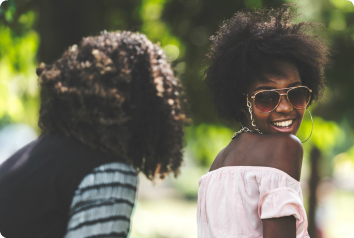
<point x="283" y="142"/>
<point x="218" y="160"/>
<point x="285" y="152"/>
<point x="280" y="151"/>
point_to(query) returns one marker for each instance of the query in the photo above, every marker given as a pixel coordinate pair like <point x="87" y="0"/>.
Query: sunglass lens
<point x="266" y="101"/>
<point x="299" y="97"/>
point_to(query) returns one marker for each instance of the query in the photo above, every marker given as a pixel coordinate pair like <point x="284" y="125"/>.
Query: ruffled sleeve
<point x="280" y="196"/>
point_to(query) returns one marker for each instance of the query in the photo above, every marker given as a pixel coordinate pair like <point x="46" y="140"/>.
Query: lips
<point x="283" y="126"/>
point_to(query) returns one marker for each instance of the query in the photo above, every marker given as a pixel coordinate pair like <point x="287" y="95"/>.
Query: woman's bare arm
<point x="283" y="227"/>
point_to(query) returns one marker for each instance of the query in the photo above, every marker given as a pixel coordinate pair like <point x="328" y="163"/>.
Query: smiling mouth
<point x="282" y="124"/>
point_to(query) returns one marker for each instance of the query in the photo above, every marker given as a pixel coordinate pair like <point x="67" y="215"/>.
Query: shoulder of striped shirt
<point x="103" y="203"/>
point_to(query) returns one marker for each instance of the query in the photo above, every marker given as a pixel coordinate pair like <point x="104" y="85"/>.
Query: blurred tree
<point x="338" y="17"/>
<point x="64" y="23"/>
<point x="183" y="28"/>
<point x="38" y="29"/>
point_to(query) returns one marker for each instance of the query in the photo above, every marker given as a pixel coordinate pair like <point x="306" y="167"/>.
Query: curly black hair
<point x="116" y="93"/>
<point x="251" y="44"/>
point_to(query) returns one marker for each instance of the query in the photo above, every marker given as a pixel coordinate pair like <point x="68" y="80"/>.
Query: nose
<point x="284" y="106"/>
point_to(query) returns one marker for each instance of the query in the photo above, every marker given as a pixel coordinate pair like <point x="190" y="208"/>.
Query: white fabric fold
<point x="283" y="202"/>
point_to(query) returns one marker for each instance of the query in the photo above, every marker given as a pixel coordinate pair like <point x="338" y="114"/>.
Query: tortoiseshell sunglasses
<point x="268" y="100"/>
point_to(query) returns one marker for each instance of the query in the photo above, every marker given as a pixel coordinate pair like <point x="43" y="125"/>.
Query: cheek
<point x="261" y="118"/>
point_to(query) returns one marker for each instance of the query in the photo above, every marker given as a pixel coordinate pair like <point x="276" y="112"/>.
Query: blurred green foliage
<point x="205" y="141"/>
<point x="19" y="94"/>
<point x="8" y="14"/>
<point x="157" y="30"/>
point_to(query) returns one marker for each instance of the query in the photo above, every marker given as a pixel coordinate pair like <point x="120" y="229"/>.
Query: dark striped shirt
<point x="58" y="187"/>
<point x="103" y="203"/>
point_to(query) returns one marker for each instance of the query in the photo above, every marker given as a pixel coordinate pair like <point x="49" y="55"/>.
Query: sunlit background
<point x="33" y="31"/>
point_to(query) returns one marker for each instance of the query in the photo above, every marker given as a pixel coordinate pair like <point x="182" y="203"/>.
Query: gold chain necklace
<point x="243" y="129"/>
<point x="246" y="129"/>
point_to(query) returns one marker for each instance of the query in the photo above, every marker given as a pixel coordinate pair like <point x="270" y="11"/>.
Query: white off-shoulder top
<point x="232" y="201"/>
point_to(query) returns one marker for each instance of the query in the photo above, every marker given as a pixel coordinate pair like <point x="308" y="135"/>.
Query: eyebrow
<point x="270" y="87"/>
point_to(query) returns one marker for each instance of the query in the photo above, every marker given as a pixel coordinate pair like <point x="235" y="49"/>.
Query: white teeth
<point x="283" y="123"/>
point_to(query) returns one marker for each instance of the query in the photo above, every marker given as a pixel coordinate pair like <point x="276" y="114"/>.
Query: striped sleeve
<point x="103" y="203"/>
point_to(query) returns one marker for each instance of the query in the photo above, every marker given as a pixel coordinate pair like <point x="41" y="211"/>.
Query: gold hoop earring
<point x="311" y="127"/>
<point x="249" y="105"/>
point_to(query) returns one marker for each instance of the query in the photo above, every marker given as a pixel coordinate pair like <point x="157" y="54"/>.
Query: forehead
<point x="286" y="75"/>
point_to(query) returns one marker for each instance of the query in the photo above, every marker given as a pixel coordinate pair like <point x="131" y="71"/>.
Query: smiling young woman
<point x="264" y="71"/>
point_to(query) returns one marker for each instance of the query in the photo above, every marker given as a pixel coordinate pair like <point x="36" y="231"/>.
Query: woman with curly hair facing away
<point x="264" y="71"/>
<point x="111" y="109"/>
